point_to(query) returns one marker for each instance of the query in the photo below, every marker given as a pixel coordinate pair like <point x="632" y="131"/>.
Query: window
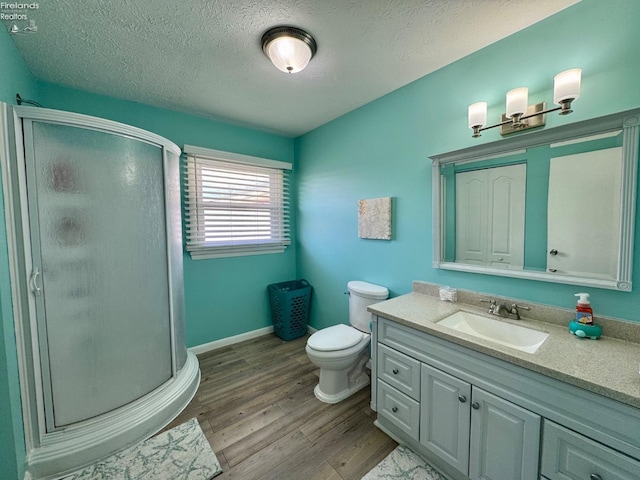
<point x="235" y="204"/>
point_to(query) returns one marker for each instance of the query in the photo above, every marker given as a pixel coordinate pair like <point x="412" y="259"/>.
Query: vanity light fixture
<point x="520" y="115"/>
<point x="289" y="48"/>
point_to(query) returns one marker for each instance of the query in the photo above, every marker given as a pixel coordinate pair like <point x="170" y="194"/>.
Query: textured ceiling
<point x="204" y="56"/>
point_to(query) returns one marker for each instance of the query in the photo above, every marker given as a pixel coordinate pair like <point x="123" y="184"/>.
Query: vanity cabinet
<point x="478" y="433"/>
<point x="475" y="416"/>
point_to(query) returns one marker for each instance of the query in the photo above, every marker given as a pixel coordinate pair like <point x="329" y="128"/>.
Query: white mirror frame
<point x="628" y="121"/>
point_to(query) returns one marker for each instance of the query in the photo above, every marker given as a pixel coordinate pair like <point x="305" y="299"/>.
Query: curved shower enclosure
<point x="96" y="270"/>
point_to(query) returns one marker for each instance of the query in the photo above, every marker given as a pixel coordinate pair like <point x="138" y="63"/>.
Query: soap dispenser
<point x="583" y="325"/>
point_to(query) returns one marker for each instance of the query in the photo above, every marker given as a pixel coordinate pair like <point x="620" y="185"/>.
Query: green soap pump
<point x="583" y="325"/>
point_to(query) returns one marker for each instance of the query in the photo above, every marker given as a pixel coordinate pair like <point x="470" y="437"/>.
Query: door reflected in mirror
<point x="583" y="213"/>
<point x="559" y="210"/>
<point x="489" y="216"/>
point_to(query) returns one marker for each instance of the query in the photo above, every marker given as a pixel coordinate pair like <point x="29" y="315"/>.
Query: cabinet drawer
<point x="399" y="371"/>
<point x="398" y="408"/>
<point x="403" y="338"/>
<point x="567" y="455"/>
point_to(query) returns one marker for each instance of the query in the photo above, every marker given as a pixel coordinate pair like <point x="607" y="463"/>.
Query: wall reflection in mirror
<point x="560" y="210"/>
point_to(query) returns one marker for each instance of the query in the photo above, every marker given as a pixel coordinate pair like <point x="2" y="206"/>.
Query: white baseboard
<point x="207" y="347"/>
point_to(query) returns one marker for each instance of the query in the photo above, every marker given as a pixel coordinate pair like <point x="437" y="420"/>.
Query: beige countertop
<point x="607" y="366"/>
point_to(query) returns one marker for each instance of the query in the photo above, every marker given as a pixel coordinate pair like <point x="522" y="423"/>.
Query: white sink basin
<point x="514" y="336"/>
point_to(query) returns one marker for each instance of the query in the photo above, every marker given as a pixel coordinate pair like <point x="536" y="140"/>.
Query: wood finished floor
<point x="256" y="406"/>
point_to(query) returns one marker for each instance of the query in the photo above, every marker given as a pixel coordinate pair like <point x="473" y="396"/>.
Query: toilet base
<point x="362" y="381"/>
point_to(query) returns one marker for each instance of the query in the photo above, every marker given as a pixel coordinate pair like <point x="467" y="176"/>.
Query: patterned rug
<point x="182" y="453"/>
<point x="403" y="464"/>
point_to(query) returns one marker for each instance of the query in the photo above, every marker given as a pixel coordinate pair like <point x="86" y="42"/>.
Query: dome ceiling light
<point x="289" y="48"/>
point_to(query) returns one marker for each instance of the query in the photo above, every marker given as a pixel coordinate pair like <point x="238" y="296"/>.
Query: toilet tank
<point x="361" y="295"/>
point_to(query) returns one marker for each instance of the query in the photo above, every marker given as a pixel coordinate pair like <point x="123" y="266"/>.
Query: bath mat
<point x="403" y="464"/>
<point x="182" y="453"/>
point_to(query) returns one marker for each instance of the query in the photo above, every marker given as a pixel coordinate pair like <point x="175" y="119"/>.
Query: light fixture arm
<point x="516" y="120"/>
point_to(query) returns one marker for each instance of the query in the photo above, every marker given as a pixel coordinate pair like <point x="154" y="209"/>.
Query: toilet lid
<point x="337" y="337"/>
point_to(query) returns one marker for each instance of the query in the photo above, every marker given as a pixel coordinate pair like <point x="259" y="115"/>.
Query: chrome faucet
<point x="501" y="309"/>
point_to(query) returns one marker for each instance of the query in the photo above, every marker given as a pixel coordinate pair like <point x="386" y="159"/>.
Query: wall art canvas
<point x="374" y="218"/>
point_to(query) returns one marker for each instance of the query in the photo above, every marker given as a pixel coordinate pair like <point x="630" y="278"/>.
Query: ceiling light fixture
<point x="520" y="115"/>
<point x="289" y="48"/>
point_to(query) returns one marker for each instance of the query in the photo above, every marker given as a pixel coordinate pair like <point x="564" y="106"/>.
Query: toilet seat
<point x="338" y="337"/>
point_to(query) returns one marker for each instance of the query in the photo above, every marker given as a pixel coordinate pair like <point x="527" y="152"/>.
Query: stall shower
<point x="95" y="242"/>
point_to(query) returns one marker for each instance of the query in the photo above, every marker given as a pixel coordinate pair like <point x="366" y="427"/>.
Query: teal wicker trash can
<point x="290" y="306"/>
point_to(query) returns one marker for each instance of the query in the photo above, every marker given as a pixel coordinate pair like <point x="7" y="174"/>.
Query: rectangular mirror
<point x="556" y="205"/>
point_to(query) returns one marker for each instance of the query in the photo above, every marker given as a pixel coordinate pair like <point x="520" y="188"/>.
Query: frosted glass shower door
<point x="100" y="272"/>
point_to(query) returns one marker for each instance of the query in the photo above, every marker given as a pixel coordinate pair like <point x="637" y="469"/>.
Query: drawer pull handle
<point x="595" y="476"/>
<point x="475" y="405"/>
<point x="396" y="371"/>
<point x="462" y="398"/>
<point x="395" y="410"/>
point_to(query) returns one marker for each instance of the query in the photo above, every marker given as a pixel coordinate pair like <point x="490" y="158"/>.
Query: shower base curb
<point x="65" y="451"/>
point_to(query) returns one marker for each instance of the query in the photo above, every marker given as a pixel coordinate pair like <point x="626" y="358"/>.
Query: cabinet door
<point x="444" y="416"/>
<point x="505" y="440"/>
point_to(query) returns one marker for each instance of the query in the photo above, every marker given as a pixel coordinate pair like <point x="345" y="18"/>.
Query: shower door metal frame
<point x="43" y="443"/>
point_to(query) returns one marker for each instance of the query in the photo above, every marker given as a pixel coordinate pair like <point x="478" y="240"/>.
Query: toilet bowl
<point x="342" y="351"/>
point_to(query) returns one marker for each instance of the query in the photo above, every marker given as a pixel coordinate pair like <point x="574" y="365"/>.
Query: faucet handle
<point x="515" y="310"/>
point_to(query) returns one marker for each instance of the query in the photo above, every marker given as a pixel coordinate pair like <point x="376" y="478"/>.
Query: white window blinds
<point x="235" y="204"/>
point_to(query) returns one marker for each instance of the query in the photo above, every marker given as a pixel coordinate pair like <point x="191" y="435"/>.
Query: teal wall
<point x="15" y="77"/>
<point x="383" y="149"/>
<point x="226" y="296"/>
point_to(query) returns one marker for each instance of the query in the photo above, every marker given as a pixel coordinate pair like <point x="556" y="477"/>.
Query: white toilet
<point x="342" y="351"/>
